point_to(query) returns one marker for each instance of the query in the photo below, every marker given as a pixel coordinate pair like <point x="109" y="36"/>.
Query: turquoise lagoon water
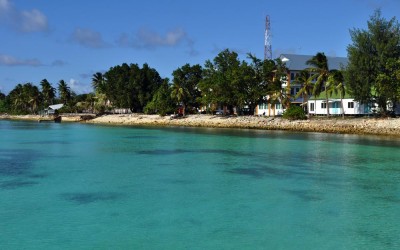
<point x="76" y="186"/>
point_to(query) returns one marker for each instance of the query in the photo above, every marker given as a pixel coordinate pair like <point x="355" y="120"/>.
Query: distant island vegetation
<point x="372" y="75"/>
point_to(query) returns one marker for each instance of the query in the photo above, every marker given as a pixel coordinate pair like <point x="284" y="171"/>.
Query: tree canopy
<point x="374" y="60"/>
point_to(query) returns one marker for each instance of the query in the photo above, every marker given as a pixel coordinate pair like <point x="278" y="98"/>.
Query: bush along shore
<point x="360" y="125"/>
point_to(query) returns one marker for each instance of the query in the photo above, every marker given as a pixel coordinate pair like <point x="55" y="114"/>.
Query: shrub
<point x="294" y="113"/>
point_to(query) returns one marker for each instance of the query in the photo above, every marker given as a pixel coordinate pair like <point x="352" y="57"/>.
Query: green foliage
<point x="24" y="99"/>
<point x="319" y="65"/>
<point x="129" y="86"/>
<point x="64" y="91"/>
<point x="233" y="83"/>
<point x="48" y="93"/>
<point x="184" y="88"/>
<point x="4" y="108"/>
<point x="161" y="103"/>
<point x="294" y="113"/>
<point x="373" y="62"/>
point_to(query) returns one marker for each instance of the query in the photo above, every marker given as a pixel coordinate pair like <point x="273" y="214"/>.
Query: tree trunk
<point x="341" y="104"/>
<point x="327" y="101"/>
<point x="315" y="106"/>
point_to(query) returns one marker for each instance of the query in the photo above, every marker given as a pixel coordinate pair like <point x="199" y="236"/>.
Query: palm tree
<point x="64" y="91"/>
<point x="17" y="98"/>
<point x="336" y="80"/>
<point x="307" y="85"/>
<point x="319" y="64"/>
<point x="32" y="95"/>
<point x="180" y="93"/>
<point x="48" y="92"/>
<point x="279" y="96"/>
<point x="99" y="82"/>
<point x="185" y="82"/>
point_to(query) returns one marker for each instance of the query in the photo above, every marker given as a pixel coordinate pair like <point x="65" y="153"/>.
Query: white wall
<point x="263" y="110"/>
<point x="357" y="109"/>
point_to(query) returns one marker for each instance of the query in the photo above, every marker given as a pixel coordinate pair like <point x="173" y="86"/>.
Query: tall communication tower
<point x="267" y="41"/>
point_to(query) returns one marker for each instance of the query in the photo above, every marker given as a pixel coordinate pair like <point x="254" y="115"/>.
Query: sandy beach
<point x="369" y="126"/>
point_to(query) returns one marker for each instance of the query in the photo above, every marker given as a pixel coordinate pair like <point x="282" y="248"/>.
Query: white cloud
<point x="5" y="6"/>
<point x="32" y="21"/>
<point x="88" y="38"/>
<point x="79" y="88"/>
<point x="149" y="39"/>
<point x="7" y="60"/>
<point x="22" y="20"/>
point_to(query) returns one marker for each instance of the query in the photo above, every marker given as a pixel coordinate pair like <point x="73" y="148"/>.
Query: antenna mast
<point x="267" y="40"/>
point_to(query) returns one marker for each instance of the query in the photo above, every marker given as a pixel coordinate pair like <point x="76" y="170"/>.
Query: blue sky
<point x="73" y="39"/>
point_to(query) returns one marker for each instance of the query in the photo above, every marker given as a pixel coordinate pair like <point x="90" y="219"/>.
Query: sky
<point x="71" y="40"/>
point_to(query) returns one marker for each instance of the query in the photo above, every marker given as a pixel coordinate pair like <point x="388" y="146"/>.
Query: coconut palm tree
<point x="99" y="82"/>
<point x="336" y="80"/>
<point x="184" y="88"/>
<point x="279" y="96"/>
<point x="17" y="98"/>
<point x="48" y="92"/>
<point x="32" y="95"/>
<point x="180" y="93"/>
<point x="64" y="91"/>
<point x="307" y="80"/>
<point x="319" y="65"/>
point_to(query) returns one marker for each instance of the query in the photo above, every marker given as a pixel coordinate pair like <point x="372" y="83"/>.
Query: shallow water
<point x="76" y="186"/>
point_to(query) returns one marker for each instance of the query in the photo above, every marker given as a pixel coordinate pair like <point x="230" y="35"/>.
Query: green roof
<point x="322" y="96"/>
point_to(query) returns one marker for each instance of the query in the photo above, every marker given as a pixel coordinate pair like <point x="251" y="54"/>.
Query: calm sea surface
<point x="77" y="186"/>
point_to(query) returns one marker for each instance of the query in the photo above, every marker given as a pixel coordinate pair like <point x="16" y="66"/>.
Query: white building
<point x="316" y="106"/>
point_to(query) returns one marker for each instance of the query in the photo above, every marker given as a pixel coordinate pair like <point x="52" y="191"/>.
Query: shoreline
<point x="337" y="125"/>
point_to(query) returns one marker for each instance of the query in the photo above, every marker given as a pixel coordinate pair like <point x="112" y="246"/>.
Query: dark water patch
<point x="368" y="186"/>
<point x="14" y="184"/>
<point x="193" y="151"/>
<point x="389" y="198"/>
<point x="47" y="142"/>
<point x="382" y="237"/>
<point x="115" y="214"/>
<point x="87" y="198"/>
<point x="166" y="164"/>
<point x="163" y="152"/>
<point x="253" y="172"/>
<point x="37" y="176"/>
<point x="177" y="181"/>
<point x="17" y="162"/>
<point x="304" y="195"/>
<point x="224" y="152"/>
<point x="141" y="137"/>
<point x="259" y="171"/>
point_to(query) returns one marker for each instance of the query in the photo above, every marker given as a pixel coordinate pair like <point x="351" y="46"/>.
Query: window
<point x="323" y="105"/>
<point x="335" y="105"/>
<point x="278" y="106"/>
<point x="311" y="106"/>
<point x="292" y="76"/>
<point x="350" y="105"/>
<point x="292" y="91"/>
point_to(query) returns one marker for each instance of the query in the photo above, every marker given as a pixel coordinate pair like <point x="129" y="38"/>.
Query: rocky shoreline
<point x="369" y="126"/>
<point x="364" y="125"/>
